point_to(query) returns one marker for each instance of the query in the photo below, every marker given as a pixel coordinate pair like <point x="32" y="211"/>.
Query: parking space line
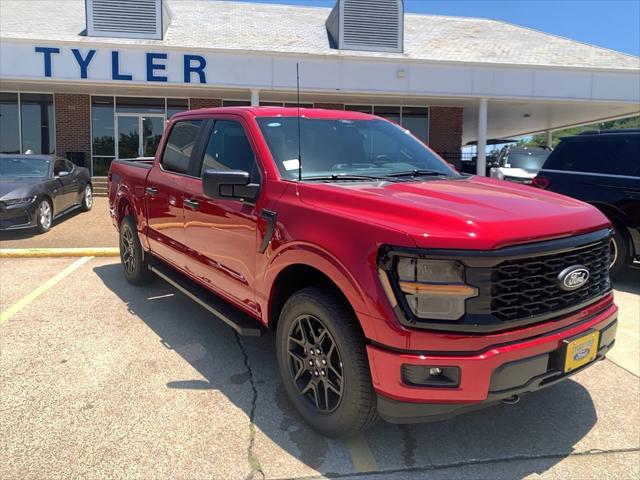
<point x="30" y="297"/>
<point x="361" y="455"/>
<point x="59" y="252"/>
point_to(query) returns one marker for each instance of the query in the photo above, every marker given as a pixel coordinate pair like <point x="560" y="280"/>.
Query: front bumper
<point x="496" y="373"/>
<point x="17" y="217"/>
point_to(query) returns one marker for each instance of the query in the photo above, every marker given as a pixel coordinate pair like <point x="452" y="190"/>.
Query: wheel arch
<point x="618" y="219"/>
<point x="295" y="277"/>
<point x="124" y="207"/>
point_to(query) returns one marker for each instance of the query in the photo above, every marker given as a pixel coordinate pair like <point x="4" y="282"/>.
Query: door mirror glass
<point x="229" y="184"/>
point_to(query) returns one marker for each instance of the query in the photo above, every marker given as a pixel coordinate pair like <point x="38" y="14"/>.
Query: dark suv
<point x="603" y="169"/>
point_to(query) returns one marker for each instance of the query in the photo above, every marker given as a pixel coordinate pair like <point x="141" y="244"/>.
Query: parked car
<point x="602" y="168"/>
<point x="37" y="189"/>
<point x="397" y="287"/>
<point x="519" y="164"/>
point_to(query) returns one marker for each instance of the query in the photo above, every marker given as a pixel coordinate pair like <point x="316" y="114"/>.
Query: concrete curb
<point x="58" y="252"/>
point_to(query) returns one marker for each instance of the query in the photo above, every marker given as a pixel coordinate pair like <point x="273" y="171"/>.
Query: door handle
<point x="192" y="204"/>
<point x="153" y="191"/>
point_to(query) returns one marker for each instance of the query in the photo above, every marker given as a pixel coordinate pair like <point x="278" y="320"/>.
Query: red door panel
<point x="164" y="194"/>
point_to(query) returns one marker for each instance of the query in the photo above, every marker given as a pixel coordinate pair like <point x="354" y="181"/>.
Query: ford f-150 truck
<point x="397" y="287"/>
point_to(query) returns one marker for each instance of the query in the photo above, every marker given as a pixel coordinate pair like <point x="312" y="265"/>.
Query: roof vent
<point x="127" y="18"/>
<point x="372" y="25"/>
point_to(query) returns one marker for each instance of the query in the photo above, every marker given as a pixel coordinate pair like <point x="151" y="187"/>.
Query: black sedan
<point x="36" y="189"/>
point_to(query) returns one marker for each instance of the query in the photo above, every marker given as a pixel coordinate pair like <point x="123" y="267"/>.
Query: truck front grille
<point x="528" y="287"/>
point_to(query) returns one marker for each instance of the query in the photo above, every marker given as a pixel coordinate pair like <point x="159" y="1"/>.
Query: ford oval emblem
<point x="573" y="278"/>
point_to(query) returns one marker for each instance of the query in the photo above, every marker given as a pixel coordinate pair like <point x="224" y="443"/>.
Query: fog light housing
<point x="430" y="376"/>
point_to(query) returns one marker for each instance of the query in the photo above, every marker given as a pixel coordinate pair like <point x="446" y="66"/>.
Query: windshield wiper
<point x="343" y="176"/>
<point x="416" y="173"/>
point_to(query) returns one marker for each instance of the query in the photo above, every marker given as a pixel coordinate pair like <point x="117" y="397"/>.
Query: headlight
<point x="433" y="289"/>
<point x="18" y="201"/>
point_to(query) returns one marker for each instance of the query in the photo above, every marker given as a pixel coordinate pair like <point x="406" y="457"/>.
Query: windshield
<point x="530" y="161"/>
<point x="24" y="167"/>
<point x="335" y="148"/>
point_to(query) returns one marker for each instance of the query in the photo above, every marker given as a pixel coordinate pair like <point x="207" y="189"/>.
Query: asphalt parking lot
<point x="100" y="379"/>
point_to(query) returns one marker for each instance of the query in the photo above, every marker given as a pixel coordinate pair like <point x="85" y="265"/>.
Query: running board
<point x="241" y="322"/>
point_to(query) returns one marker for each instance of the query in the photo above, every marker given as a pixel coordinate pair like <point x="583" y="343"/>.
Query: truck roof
<point x="282" y="112"/>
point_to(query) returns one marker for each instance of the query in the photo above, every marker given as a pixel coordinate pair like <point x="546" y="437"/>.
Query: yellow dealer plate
<point x="580" y="350"/>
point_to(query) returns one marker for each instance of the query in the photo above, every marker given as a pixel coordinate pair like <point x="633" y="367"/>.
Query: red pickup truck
<point x="397" y="287"/>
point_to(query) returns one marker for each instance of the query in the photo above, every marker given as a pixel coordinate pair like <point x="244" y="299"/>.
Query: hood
<point x="17" y="187"/>
<point x="461" y="213"/>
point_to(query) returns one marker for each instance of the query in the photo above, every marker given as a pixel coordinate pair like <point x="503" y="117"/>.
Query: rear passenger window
<point x="229" y="149"/>
<point x="612" y="157"/>
<point x="180" y="145"/>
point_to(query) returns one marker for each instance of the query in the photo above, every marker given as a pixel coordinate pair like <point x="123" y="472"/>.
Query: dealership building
<point x="95" y="80"/>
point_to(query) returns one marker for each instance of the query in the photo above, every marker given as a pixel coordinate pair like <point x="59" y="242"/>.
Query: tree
<point x="540" y="140"/>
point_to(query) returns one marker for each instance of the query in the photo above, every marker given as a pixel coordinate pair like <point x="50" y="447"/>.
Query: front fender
<point x="302" y="253"/>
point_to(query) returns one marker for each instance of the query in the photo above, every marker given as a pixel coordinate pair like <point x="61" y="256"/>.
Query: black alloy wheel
<point x="323" y="363"/>
<point x="132" y="257"/>
<point x="315" y="364"/>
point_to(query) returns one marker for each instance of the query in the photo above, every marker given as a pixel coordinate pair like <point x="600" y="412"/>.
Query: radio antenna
<point x="299" y="146"/>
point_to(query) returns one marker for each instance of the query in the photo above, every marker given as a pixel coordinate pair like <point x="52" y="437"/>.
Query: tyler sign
<point x="130" y="64"/>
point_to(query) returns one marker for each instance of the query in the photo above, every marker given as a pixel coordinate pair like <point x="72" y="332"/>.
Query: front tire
<point x="134" y="263"/>
<point x="87" y="198"/>
<point x="620" y="253"/>
<point x="323" y="363"/>
<point x="44" y="216"/>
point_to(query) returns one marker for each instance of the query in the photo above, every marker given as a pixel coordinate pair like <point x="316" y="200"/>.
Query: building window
<point x="102" y="126"/>
<point x="176" y="105"/>
<point x="271" y="104"/>
<point x="126" y="127"/>
<point x="38" y="131"/>
<point x="140" y="105"/>
<point x="301" y="105"/>
<point x="236" y="103"/>
<point x="359" y="108"/>
<point x="392" y="114"/>
<point x="27" y="123"/>
<point x="9" y="123"/>
<point x="414" y="119"/>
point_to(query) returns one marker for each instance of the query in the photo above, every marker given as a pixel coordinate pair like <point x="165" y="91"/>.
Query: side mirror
<point x="229" y="184"/>
<point x="64" y="173"/>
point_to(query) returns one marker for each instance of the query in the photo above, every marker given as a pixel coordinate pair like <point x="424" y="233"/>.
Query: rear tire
<point x="87" y="198"/>
<point x="620" y="251"/>
<point x="44" y="216"/>
<point x="323" y="363"/>
<point x="132" y="257"/>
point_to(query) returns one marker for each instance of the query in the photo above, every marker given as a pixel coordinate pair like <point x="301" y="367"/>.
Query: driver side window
<point x="62" y="165"/>
<point x="229" y="149"/>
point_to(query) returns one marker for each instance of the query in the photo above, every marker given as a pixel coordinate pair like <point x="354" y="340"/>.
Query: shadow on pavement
<point x="545" y="425"/>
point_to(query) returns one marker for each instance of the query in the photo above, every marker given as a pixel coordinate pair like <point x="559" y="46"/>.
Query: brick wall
<point x="445" y="132"/>
<point x="204" y="103"/>
<point x="73" y="124"/>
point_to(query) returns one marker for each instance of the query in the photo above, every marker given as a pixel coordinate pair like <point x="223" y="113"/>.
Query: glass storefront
<point x="128" y="127"/>
<point x="27" y="123"/>
<point x="414" y="119"/>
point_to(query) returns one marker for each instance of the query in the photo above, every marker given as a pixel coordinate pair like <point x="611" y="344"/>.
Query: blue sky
<point x="613" y="24"/>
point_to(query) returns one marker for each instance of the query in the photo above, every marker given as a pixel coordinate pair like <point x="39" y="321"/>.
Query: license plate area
<point x="580" y="350"/>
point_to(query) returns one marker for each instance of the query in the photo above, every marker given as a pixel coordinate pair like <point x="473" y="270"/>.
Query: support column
<point x="482" y="139"/>
<point x="255" y="98"/>
<point x="549" y="139"/>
